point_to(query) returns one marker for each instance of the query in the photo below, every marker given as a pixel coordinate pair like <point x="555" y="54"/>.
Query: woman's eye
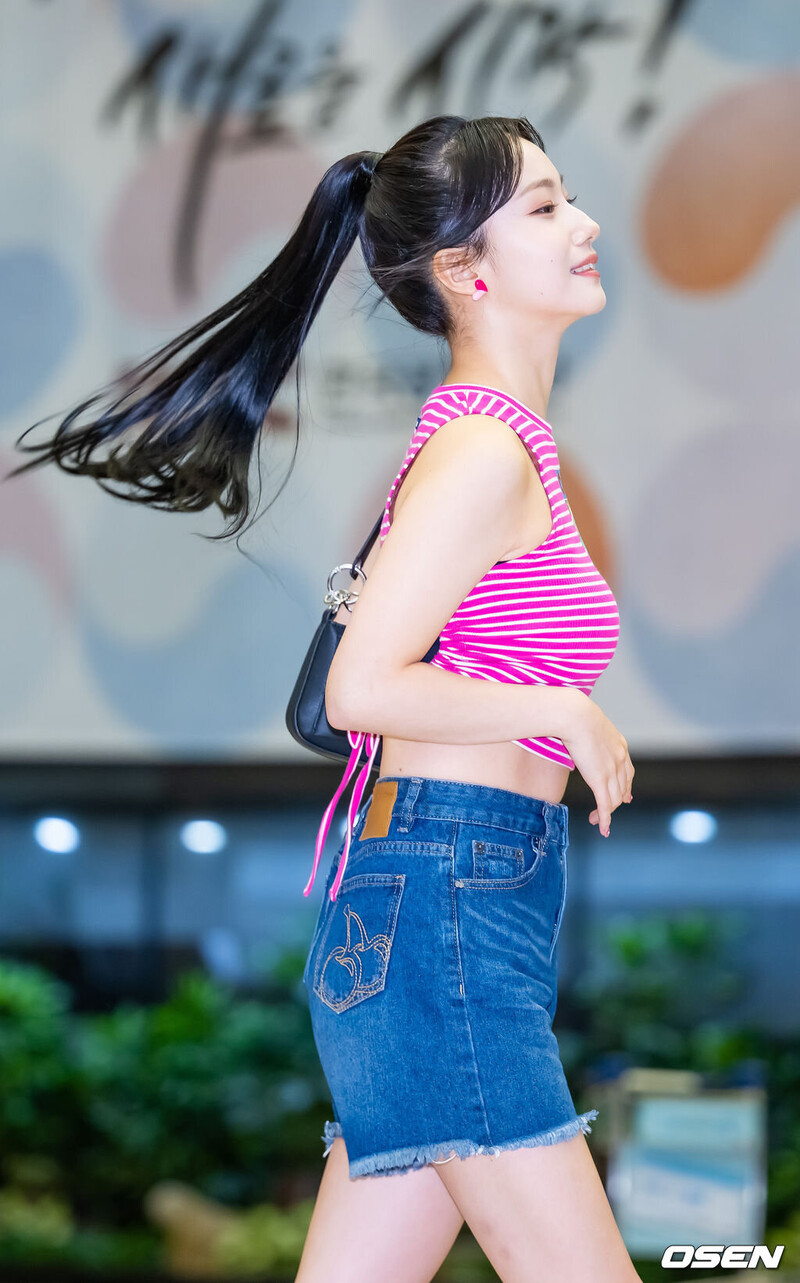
<point x="570" y="201"/>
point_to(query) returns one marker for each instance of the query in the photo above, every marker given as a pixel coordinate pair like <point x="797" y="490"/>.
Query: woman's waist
<point x="503" y="765"/>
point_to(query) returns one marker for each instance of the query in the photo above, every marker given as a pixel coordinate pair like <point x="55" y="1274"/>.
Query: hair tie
<point x="370" y="161"/>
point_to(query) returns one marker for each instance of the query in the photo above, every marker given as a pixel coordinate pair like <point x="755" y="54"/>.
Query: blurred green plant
<point x="45" y="1219"/>
<point x="225" y="1093"/>
<point x="656" y="987"/>
<point x="789" y="1235"/>
<point x="264" y="1238"/>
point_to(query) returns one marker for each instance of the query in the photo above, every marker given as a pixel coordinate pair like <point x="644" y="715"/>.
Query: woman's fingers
<point x="601" y="815"/>
<point x="625" y="780"/>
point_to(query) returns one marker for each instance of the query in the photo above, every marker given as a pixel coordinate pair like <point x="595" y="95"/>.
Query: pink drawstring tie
<point x="356" y="741"/>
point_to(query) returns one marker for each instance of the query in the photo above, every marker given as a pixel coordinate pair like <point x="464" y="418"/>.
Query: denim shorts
<point x="432" y="977"/>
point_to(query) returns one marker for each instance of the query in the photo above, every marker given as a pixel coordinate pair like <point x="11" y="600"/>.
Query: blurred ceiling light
<point x="56" y="834"/>
<point x="203" y="837"/>
<point x="693" y="826"/>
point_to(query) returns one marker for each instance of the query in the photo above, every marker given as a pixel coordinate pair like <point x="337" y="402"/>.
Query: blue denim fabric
<point x="432" y="979"/>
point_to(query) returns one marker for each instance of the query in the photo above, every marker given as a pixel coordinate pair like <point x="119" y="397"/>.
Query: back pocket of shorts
<point x="355" y="946"/>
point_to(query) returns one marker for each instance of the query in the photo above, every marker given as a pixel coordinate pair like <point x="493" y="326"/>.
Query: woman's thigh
<point x="398" y="1228"/>
<point x="540" y="1214"/>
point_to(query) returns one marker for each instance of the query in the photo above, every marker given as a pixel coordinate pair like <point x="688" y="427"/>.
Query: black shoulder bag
<point x="305" y="715"/>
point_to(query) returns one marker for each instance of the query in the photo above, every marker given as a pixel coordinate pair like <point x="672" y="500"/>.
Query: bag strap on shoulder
<point x="364" y="550"/>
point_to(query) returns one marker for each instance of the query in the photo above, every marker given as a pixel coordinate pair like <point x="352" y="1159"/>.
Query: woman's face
<point x="537" y="237"/>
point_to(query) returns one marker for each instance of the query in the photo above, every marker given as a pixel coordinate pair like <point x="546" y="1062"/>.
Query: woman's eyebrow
<point x="540" y="182"/>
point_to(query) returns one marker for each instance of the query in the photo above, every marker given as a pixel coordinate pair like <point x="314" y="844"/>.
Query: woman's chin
<point x="599" y="301"/>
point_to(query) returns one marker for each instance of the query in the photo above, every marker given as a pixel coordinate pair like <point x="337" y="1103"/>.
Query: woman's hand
<point x="600" y="753"/>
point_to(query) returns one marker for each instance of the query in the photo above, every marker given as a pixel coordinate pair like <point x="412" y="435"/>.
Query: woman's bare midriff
<point x="505" y="766"/>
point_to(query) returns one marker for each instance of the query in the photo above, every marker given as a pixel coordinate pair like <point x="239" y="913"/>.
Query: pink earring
<point x="480" y="288"/>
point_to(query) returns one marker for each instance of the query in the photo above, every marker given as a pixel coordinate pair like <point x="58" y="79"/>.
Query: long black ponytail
<point x="433" y="189"/>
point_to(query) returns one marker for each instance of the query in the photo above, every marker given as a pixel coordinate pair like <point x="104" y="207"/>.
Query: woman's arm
<point x="464" y="500"/>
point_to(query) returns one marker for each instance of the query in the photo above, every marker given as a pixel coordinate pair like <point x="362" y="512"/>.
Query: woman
<point x="432" y="969"/>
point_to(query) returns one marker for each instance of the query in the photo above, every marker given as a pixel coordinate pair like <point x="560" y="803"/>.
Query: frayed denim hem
<point x="332" y="1130"/>
<point x="414" y="1156"/>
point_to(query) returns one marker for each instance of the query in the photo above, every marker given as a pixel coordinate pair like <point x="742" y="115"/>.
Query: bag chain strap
<point x="336" y="597"/>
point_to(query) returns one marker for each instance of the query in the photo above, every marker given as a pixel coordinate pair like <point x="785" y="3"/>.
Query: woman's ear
<point x="453" y="272"/>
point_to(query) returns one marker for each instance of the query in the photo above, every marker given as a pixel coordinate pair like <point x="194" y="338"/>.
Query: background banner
<point x="154" y="156"/>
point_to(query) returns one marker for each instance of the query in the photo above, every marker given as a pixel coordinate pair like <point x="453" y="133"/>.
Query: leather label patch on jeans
<point x="379" y="815"/>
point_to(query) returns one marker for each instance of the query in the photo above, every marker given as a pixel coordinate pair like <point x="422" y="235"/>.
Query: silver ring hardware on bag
<point x="343" y="596"/>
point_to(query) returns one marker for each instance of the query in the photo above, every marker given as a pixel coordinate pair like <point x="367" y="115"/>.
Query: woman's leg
<point x="541" y="1214"/>
<point x="396" y="1229"/>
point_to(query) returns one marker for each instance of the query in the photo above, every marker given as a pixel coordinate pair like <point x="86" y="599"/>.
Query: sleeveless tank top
<point x="545" y="617"/>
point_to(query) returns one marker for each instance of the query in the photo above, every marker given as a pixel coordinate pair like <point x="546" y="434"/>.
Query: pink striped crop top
<point x="547" y="616"/>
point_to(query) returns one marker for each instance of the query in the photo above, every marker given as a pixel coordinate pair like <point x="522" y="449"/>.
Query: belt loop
<point x="407" y="813"/>
<point x="549" y="814"/>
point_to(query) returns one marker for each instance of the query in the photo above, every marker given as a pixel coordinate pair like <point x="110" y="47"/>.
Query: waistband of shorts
<point x="423" y="796"/>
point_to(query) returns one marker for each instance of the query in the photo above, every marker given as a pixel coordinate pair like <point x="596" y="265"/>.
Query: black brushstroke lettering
<point x="208" y="144"/>
<point x="334" y="83"/>
<point x="555" y="41"/>
<point x="524" y="41"/>
<point x="656" y="50"/>
<point x="200" y="69"/>
<point x="143" y="82"/>
<point x="430" y="75"/>
<point x="653" y="58"/>
<point x="264" y="124"/>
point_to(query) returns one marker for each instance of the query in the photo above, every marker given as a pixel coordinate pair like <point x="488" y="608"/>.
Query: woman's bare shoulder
<point x="466" y="442"/>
